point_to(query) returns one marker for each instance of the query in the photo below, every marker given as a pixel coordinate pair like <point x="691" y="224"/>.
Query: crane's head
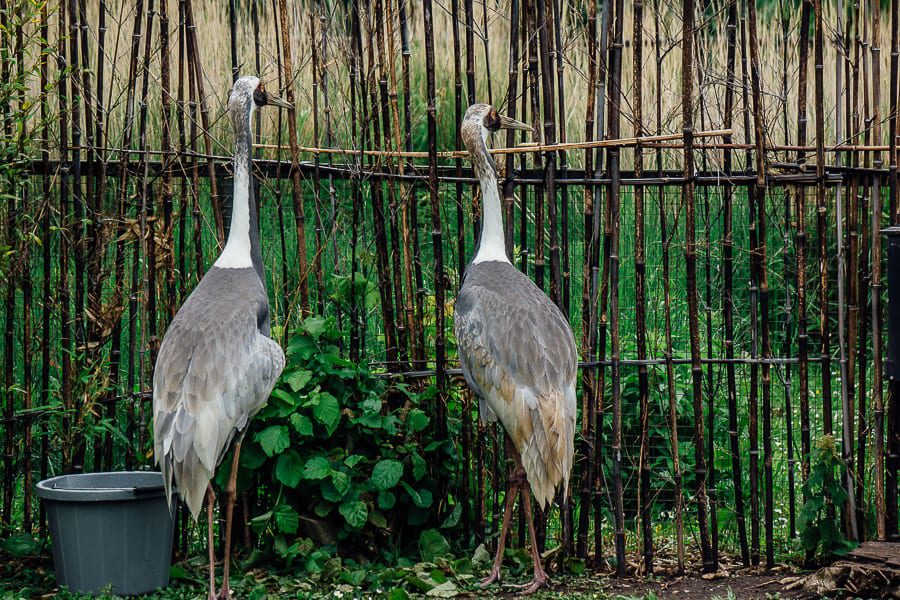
<point x="482" y="119"/>
<point x="248" y="94"/>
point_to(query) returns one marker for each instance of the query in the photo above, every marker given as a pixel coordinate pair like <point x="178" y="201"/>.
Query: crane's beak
<point x="510" y="123"/>
<point x="276" y="101"/>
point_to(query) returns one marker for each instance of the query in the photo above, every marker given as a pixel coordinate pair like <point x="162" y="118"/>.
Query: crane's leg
<point x="210" y="503"/>
<point x="512" y="490"/>
<point x="225" y="592"/>
<point x="540" y="577"/>
<point x="515" y="483"/>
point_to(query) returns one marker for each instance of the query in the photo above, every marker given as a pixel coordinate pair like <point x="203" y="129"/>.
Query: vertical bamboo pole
<point x="436" y="236"/>
<point x="822" y="208"/>
<point x="8" y="484"/>
<point x="559" y="49"/>
<point x="545" y="28"/>
<point x="588" y="295"/>
<point x="753" y="395"/>
<point x="296" y="189"/>
<point x="640" y="293"/>
<point x="27" y="434"/>
<point x="800" y="244"/>
<point x="860" y="273"/>
<point x="46" y="247"/>
<point x="708" y="308"/>
<point x="875" y="282"/>
<point x="63" y="297"/>
<point x="728" y="290"/>
<point x="690" y="256"/>
<point x="614" y="227"/>
<point x="667" y="309"/>
<point x="786" y="274"/>
<point x="760" y="189"/>
<point x="892" y="526"/>
<point x="197" y="77"/>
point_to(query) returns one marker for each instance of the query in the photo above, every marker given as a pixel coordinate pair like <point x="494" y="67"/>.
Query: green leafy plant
<point x="819" y="529"/>
<point x="354" y="460"/>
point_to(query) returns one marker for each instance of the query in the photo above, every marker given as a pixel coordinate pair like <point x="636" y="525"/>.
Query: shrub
<point x="349" y="460"/>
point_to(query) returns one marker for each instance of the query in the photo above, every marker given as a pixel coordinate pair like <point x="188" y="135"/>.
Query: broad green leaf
<point x="327" y="411"/>
<point x="289" y="468"/>
<point x="421" y="498"/>
<point x="387" y="474"/>
<point x="314" y="326"/>
<point x="317" y="467"/>
<point x="286" y="519"/>
<point x="302" y="424"/>
<point x="418" y="466"/>
<point x="274" y="440"/>
<point x="432" y="545"/>
<point x="353" y="460"/>
<point x="252" y="457"/>
<point x="341" y="481"/>
<point x="331" y="493"/>
<point x="386" y="500"/>
<point x="355" y="513"/>
<point x="417" y="420"/>
<point x="298" y="379"/>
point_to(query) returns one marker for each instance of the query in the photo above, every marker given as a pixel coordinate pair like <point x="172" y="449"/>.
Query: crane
<point x="217" y="364"/>
<point x="517" y="352"/>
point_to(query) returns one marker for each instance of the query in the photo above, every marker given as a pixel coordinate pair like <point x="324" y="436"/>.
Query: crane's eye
<point x="492" y="121"/>
<point x="260" y="97"/>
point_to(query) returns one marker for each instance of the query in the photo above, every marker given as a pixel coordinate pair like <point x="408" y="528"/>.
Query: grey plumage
<point x="215" y="370"/>
<point x="517" y="352"/>
<point x="518" y="355"/>
<point x="217" y="366"/>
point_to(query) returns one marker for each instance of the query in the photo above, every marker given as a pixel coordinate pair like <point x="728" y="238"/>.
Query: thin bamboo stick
<point x="728" y="292"/>
<point x="640" y="293"/>
<point x="614" y="227"/>
<point x="875" y="284"/>
<point x="588" y="297"/>
<point x="800" y="244"/>
<point x="296" y="190"/>
<point x="667" y="309"/>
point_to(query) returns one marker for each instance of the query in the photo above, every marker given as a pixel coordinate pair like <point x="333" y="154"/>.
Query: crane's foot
<point x="224" y="594"/>
<point x="537" y="583"/>
<point x="492" y="578"/>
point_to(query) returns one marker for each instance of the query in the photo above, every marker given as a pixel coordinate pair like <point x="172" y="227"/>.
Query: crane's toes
<point x="224" y="594"/>
<point x="536" y="584"/>
<point x="493" y="577"/>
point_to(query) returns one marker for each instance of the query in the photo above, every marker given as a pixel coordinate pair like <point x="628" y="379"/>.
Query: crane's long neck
<point x="242" y="248"/>
<point x="491" y="246"/>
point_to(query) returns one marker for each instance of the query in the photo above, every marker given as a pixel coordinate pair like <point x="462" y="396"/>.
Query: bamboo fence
<point x="719" y="264"/>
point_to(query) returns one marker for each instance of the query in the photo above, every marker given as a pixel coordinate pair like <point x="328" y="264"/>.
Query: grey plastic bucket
<point x="110" y="531"/>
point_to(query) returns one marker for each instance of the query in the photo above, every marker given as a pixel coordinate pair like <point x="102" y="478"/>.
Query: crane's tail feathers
<point x="191" y="478"/>
<point x="548" y="455"/>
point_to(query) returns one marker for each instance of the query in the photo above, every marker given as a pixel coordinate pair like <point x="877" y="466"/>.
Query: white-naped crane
<point x="217" y="364"/>
<point x="517" y="352"/>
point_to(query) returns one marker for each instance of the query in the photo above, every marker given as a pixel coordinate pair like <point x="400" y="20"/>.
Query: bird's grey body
<point x="215" y="370"/>
<point x="217" y="365"/>
<point x="516" y="350"/>
<point x="518" y="355"/>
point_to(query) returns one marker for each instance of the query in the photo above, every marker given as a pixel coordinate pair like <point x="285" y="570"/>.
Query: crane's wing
<point x="518" y="354"/>
<point x="214" y="371"/>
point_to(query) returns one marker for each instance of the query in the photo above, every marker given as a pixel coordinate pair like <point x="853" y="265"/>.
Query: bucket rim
<point x="52" y="488"/>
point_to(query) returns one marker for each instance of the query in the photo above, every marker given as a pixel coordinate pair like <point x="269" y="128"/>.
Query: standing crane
<point x="217" y="364"/>
<point x="517" y="352"/>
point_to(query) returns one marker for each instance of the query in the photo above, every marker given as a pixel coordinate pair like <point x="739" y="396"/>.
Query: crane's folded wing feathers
<point x="518" y="354"/>
<point x="212" y="375"/>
